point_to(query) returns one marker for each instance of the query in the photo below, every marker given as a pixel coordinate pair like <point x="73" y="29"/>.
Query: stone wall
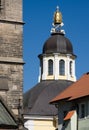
<point x="11" y="52"/>
<point x="11" y="10"/>
<point x="10" y="40"/>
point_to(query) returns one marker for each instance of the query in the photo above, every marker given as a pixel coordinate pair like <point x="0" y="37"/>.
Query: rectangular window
<point x="82" y="110"/>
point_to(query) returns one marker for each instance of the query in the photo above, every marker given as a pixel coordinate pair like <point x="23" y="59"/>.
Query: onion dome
<point x="57" y="43"/>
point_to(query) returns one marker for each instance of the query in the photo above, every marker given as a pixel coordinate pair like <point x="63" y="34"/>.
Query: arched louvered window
<point x="50" y="67"/>
<point x="61" y="67"/>
<point x="71" y="67"/>
<point x="0" y="4"/>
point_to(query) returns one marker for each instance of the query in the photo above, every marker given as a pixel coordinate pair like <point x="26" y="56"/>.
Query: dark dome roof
<point x="36" y="100"/>
<point x="58" y="43"/>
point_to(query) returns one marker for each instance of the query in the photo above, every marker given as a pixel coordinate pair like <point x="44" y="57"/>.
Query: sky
<point x="38" y="18"/>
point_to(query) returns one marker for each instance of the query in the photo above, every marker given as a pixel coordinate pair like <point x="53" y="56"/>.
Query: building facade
<point x="11" y="54"/>
<point x="73" y="105"/>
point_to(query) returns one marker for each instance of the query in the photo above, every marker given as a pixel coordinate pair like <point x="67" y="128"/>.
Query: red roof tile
<point x="69" y="115"/>
<point x="77" y="90"/>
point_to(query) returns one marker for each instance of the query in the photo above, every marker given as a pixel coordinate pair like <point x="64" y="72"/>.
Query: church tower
<point x="11" y="54"/>
<point x="57" y="60"/>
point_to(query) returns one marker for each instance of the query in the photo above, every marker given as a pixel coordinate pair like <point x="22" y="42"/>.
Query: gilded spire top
<point x="57" y="23"/>
<point x="57" y="16"/>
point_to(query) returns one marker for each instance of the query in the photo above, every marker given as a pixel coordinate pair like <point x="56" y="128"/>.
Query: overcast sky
<point x="38" y="18"/>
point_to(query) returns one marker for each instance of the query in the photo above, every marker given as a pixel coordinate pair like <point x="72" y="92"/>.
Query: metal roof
<point x="7" y="119"/>
<point x="58" y="43"/>
<point x="36" y="100"/>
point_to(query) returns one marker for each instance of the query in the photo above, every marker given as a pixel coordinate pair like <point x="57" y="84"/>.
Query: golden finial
<point x="57" y="16"/>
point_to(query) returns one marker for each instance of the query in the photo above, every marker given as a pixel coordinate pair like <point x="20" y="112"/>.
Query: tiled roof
<point x="76" y="90"/>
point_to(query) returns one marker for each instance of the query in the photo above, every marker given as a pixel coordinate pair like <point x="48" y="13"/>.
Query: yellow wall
<point x="40" y="124"/>
<point x="43" y="125"/>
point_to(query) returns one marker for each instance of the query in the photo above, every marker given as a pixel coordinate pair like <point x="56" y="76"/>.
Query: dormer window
<point x="50" y="67"/>
<point x="61" y="67"/>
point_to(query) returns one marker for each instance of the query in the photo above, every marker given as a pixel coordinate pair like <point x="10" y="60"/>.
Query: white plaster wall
<point x="56" y="58"/>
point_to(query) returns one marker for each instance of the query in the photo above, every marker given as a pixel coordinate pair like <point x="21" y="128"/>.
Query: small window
<point x="82" y="110"/>
<point x="41" y="66"/>
<point x="71" y="68"/>
<point x="50" y="67"/>
<point x="61" y="67"/>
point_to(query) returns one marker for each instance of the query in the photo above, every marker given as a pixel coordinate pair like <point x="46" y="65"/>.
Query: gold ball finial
<point x="57" y="16"/>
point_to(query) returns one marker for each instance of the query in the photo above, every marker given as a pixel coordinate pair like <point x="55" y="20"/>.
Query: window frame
<point x="62" y="67"/>
<point x="71" y="66"/>
<point x="50" y="67"/>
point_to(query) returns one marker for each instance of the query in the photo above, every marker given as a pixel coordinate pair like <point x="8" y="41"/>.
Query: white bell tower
<point x="57" y="60"/>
